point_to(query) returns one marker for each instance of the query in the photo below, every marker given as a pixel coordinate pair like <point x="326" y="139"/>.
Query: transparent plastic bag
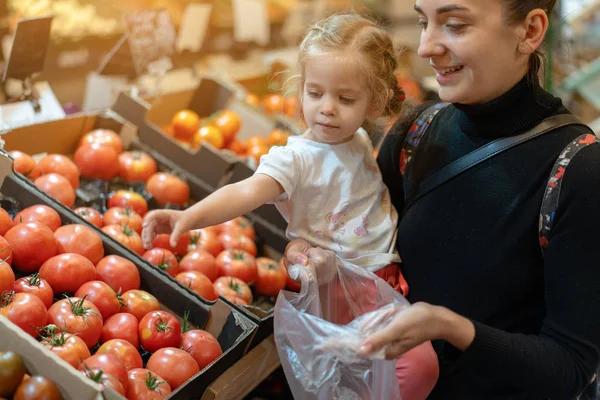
<point x="319" y="331"/>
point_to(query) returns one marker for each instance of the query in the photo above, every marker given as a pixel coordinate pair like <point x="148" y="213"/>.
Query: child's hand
<point x="163" y="221"/>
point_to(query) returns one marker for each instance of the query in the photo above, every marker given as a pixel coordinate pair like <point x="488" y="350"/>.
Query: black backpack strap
<point x="552" y="192"/>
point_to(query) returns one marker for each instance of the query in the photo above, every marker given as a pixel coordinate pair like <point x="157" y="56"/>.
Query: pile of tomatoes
<point x="75" y="298"/>
<point x="16" y="382"/>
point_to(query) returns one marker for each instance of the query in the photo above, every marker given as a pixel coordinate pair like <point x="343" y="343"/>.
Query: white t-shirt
<point x="335" y="198"/>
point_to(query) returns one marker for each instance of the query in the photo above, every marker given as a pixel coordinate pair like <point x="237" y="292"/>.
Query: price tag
<point x="251" y="21"/>
<point x="194" y="26"/>
<point x="28" y="50"/>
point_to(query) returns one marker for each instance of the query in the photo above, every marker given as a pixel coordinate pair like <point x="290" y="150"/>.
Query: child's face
<point x="336" y="100"/>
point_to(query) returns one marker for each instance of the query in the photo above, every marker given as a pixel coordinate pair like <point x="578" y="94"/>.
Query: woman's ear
<point x="533" y="30"/>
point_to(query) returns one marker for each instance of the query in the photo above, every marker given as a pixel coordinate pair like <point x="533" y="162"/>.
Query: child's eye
<point x="314" y="94"/>
<point x="346" y="100"/>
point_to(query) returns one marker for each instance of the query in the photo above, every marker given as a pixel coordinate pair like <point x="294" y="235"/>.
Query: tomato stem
<point x="152" y="382"/>
<point x="34" y="279"/>
<point x="163" y="326"/>
<point x="7" y="297"/>
<point x="186" y="323"/>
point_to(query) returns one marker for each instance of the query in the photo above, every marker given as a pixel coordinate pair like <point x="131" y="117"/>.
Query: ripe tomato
<point x="237" y="147"/>
<point x="121" y="326"/>
<point x="24" y="310"/>
<point x="145" y="385"/>
<point x="80" y="239"/>
<point x="252" y="99"/>
<point x="185" y="123"/>
<point x="159" y="329"/>
<point x="205" y="239"/>
<point x="61" y="165"/>
<point x="103" y="136"/>
<point x="256" y="141"/>
<point x="238" y="226"/>
<point x="257" y="152"/>
<point x="128" y="199"/>
<point x="174" y="365"/>
<point x="273" y="103"/>
<point x="290" y="106"/>
<point x="208" y="134"/>
<point x="236" y="300"/>
<point x="162" y="241"/>
<point x="102" y="296"/>
<point x="5" y="221"/>
<point x="135" y="166"/>
<point x="168" y="130"/>
<point x="79" y="317"/>
<point x="38" y="387"/>
<point x="5" y="251"/>
<point x="201" y="345"/>
<point x="139" y="303"/>
<point x="168" y="189"/>
<point x="126" y="236"/>
<point x="125" y="351"/>
<point x="34" y="285"/>
<point x="57" y="186"/>
<point x="271" y="278"/>
<point x="278" y="137"/>
<point x="291" y="284"/>
<point x="97" y="161"/>
<point x="231" y="287"/>
<point x="39" y="213"/>
<point x="123" y="216"/>
<point x="67" y="272"/>
<point x="238" y="242"/>
<point x="201" y="261"/>
<point x="32" y="244"/>
<point x="164" y="260"/>
<point x="110" y="364"/>
<point x="7" y="277"/>
<point x="229" y="123"/>
<point x="70" y="348"/>
<point x="90" y="215"/>
<point x="119" y="273"/>
<point x="25" y="165"/>
<point x="197" y="282"/>
<point x="104" y="380"/>
<point x="237" y="263"/>
<point x="12" y="372"/>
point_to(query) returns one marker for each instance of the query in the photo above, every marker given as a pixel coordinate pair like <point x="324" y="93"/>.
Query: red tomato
<point x="128" y="199"/>
<point x="174" y="365"/>
<point x="39" y="213"/>
<point x="34" y="285"/>
<point x="5" y="221"/>
<point x="77" y="316"/>
<point x="135" y="166"/>
<point x="185" y="123"/>
<point x="168" y="189"/>
<point x="291" y="284"/>
<point x="159" y="329"/>
<point x="271" y="278"/>
<point x="25" y="165"/>
<point x="103" y="136"/>
<point x="5" y="251"/>
<point x="198" y="283"/>
<point x="229" y="123"/>
<point x="208" y="134"/>
<point x="24" y="310"/>
<point x="236" y="300"/>
<point x="110" y="364"/>
<point x="57" y="186"/>
<point x="7" y="277"/>
<point x="61" y="165"/>
<point x="139" y="303"/>
<point x="80" y="239"/>
<point x="290" y="106"/>
<point x="273" y="103"/>
<point x="238" y="242"/>
<point x="203" y="346"/>
<point x="35" y="386"/>
<point x="70" y="348"/>
<point x="162" y="241"/>
<point x="163" y="259"/>
<point x="90" y="215"/>
<point x="105" y="380"/>
<point x="126" y="236"/>
<point x="237" y="147"/>
<point x="97" y="161"/>
<point x="205" y="239"/>
<point x="32" y="244"/>
<point x="123" y="216"/>
<point x="119" y="273"/>
<point x="231" y="287"/>
<point x="67" y="272"/>
<point x="237" y="263"/>
<point x="257" y="151"/>
<point x="102" y="296"/>
<point x="201" y="261"/>
<point x="121" y="326"/>
<point x="238" y="226"/>
<point x="145" y="385"/>
<point x="127" y="353"/>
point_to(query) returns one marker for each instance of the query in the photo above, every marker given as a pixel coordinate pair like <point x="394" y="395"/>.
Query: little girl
<point x="326" y="182"/>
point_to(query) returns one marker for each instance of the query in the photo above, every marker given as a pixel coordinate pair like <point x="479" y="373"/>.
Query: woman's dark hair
<point x="516" y="11"/>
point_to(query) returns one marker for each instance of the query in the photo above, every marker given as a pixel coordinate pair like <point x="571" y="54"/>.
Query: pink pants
<point x="417" y="370"/>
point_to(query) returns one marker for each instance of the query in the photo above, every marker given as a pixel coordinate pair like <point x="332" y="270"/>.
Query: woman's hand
<point x="416" y="324"/>
<point x="163" y="221"/>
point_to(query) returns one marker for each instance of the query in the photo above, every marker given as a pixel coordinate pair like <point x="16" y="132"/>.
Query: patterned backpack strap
<point x="414" y="136"/>
<point x="552" y="192"/>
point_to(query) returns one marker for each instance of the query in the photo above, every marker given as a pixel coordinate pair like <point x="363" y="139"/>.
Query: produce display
<point x="17" y="384"/>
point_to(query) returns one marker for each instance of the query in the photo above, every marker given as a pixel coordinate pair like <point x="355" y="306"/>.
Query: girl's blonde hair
<point x="372" y="53"/>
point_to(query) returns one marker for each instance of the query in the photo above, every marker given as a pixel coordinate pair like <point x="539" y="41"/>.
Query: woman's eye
<point x="422" y="23"/>
<point x="455" y="27"/>
<point x="347" y="100"/>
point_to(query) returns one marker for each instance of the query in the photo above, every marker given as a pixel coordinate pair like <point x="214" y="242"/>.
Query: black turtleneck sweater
<point x="472" y="246"/>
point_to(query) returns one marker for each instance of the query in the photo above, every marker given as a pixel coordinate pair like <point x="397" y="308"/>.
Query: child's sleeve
<point x="283" y="165"/>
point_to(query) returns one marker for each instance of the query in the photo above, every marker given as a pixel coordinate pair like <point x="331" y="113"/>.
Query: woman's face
<point x="471" y="47"/>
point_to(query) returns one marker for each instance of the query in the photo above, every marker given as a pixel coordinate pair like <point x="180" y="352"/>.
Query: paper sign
<point x="251" y="21"/>
<point x="102" y="91"/>
<point x="22" y="113"/>
<point x="28" y="50"/>
<point x="151" y="37"/>
<point x="194" y="26"/>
